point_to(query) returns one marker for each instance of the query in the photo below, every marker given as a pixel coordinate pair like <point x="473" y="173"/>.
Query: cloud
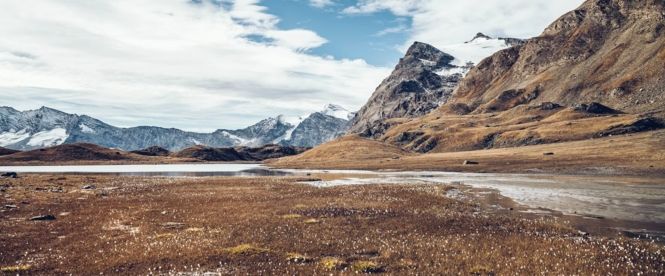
<point x="197" y="65"/>
<point x="446" y="22"/>
<point x="392" y="30"/>
<point x="398" y="7"/>
<point x="321" y="3"/>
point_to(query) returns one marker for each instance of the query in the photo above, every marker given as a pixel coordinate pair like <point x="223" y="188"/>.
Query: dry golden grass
<point x="246" y="249"/>
<point x="332" y="263"/>
<point x="396" y="229"/>
<point x="15" y="269"/>
<point x="366" y="267"/>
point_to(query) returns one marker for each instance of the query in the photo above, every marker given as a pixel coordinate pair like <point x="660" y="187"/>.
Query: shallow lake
<point x="153" y="170"/>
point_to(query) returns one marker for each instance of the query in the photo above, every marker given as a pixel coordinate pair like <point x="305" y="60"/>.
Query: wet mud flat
<point x="278" y="225"/>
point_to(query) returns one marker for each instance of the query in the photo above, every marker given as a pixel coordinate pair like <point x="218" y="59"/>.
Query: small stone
<point x="9" y="175"/>
<point x="88" y="187"/>
<point x="548" y="153"/>
<point x="173" y="225"/>
<point x="469" y="162"/>
<point x="11" y="206"/>
<point x="43" y="217"/>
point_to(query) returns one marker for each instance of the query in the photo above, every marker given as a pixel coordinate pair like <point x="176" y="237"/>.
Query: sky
<point x="202" y="65"/>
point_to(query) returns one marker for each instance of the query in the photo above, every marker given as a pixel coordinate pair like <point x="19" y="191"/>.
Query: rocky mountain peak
<point x="421" y="81"/>
<point x="427" y="55"/>
<point x="479" y="35"/>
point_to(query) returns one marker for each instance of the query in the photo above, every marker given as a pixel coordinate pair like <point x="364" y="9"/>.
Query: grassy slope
<point x="626" y="154"/>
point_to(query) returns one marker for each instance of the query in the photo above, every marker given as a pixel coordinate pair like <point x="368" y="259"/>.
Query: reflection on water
<point x="244" y="173"/>
<point x="244" y="170"/>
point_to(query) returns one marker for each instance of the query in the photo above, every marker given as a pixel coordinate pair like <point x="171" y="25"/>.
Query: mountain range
<point x="47" y="127"/>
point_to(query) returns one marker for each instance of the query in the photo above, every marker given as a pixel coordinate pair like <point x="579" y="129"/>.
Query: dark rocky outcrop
<point x="153" y="151"/>
<point x="5" y="151"/>
<point x="211" y="154"/>
<point x="204" y="153"/>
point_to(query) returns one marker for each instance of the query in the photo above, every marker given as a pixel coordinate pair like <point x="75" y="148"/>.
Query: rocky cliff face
<point x="606" y="51"/>
<point x="421" y="81"/>
<point x="48" y="127"/>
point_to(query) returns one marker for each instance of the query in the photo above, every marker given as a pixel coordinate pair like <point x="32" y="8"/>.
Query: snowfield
<point x="49" y="138"/>
<point x="13" y="137"/>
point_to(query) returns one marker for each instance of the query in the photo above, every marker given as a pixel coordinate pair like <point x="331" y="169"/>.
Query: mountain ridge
<point x="45" y="127"/>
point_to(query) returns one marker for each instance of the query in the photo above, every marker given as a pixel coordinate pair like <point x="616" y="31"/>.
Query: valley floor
<point x="275" y="225"/>
<point x="632" y="154"/>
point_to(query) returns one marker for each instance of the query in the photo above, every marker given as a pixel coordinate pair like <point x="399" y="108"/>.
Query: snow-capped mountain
<point x="320" y="127"/>
<point x="47" y="127"/>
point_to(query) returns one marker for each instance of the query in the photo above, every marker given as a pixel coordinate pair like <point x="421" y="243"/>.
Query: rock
<point x="153" y="151"/>
<point x="43" y="217"/>
<point x="469" y="162"/>
<point x="173" y="225"/>
<point x="549" y="106"/>
<point x="11" y="206"/>
<point x="9" y="175"/>
<point x="88" y="187"/>
<point x="548" y="153"/>
<point x="595" y="108"/>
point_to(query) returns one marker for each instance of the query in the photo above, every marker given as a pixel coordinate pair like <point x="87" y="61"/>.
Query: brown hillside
<point x="70" y="152"/>
<point x="606" y="51"/>
<point x="5" y="151"/>
<point x="522" y="125"/>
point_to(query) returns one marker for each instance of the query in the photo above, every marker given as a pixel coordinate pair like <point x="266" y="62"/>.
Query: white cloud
<point x="392" y="30"/>
<point x="398" y="7"/>
<point x="169" y="63"/>
<point x="321" y="3"/>
<point x="447" y="22"/>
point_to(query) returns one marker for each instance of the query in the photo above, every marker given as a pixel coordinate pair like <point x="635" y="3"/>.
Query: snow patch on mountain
<point x="86" y="129"/>
<point x="12" y="137"/>
<point x="475" y="50"/>
<point x="48" y="138"/>
<point x="237" y="139"/>
<point x="337" y="111"/>
<point x="446" y="72"/>
<point x="294" y="122"/>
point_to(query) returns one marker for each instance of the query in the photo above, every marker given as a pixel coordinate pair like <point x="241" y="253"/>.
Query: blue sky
<point x="361" y="36"/>
<point x="201" y="66"/>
